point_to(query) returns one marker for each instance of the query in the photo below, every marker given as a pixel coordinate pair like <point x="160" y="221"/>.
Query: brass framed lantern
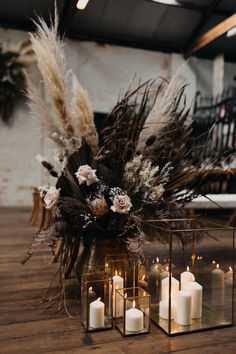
<point x="192" y="284"/>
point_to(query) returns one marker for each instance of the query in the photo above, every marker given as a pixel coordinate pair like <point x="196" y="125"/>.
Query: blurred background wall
<point x="104" y="71"/>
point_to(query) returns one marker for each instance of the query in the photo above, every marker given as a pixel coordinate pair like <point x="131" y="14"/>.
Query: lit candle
<point x="218" y="286"/>
<point x="96" y="313"/>
<point x="118" y="283"/>
<point x="184" y="301"/>
<point x="153" y="277"/>
<point x="218" y="276"/>
<point x="164" y="309"/>
<point x="134" y="319"/>
<point x="157" y="264"/>
<point x="229" y="277"/>
<point x="186" y="277"/>
<point x="162" y="275"/>
<point x="165" y="288"/>
<point x="196" y="291"/>
<point x="91" y="293"/>
<point x="142" y="270"/>
<point x="143" y="283"/>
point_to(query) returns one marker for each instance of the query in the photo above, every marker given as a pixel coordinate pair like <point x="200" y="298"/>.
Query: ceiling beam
<point x="211" y="35"/>
<point x="193" y="6"/>
<point x="67" y="15"/>
<point x="204" y="19"/>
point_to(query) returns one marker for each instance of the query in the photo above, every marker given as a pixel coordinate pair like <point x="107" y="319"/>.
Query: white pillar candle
<point x="218" y="286"/>
<point x="153" y="276"/>
<point x="218" y="276"/>
<point x="96" y="314"/>
<point x="162" y="275"/>
<point x="157" y="264"/>
<point x="143" y="283"/>
<point x="164" y="309"/>
<point x="118" y="283"/>
<point x="196" y="292"/>
<point x="91" y="294"/>
<point x="229" y="277"/>
<point x="184" y="301"/>
<point x="165" y="288"/>
<point x="142" y="271"/>
<point x="134" y="319"/>
<point x="186" y="277"/>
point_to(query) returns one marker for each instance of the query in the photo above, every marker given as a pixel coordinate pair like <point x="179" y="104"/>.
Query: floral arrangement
<point x="109" y="184"/>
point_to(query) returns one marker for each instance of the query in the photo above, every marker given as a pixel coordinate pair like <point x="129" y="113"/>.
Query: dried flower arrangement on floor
<point x="108" y="185"/>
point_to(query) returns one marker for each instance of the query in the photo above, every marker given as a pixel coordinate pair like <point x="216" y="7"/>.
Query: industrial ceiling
<point x="147" y="24"/>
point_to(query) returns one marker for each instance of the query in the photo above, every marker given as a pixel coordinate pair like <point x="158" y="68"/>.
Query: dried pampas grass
<point x="163" y="112"/>
<point x="40" y="110"/>
<point x="83" y="114"/>
<point x="48" y="50"/>
<point x="66" y="122"/>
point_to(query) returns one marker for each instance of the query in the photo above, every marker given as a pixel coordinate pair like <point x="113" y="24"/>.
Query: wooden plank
<point x="74" y="341"/>
<point x="212" y="34"/>
<point x="206" y="14"/>
<point x="27" y="328"/>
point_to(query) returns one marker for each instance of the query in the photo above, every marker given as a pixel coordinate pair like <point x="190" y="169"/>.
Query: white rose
<point x="86" y="174"/>
<point x="121" y="204"/>
<point x="51" y="197"/>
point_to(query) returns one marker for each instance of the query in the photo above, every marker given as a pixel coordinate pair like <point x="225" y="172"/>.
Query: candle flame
<point x="90" y="288"/>
<point x="99" y="299"/>
<point x="213" y="262"/>
<point x="133" y="304"/>
<point x="157" y="259"/>
<point x="167" y="268"/>
<point x="125" y="295"/>
<point x="187" y="268"/>
<point x="106" y="265"/>
<point x="116" y="272"/>
<point x="143" y="277"/>
<point x="217" y="266"/>
<point x="230" y="268"/>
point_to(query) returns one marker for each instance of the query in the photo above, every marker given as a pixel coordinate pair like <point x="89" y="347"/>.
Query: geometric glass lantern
<point x="96" y="301"/>
<point x="192" y="287"/>
<point x="123" y="272"/>
<point x="132" y="314"/>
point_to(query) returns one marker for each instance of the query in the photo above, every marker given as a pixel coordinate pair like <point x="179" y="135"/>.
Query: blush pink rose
<point x="86" y="174"/>
<point x="121" y="204"/>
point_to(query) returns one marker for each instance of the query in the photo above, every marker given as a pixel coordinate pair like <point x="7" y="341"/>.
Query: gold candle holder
<point x="132" y="313"/>
<point x="96" y="302"/>
<point x="189" y="296"/>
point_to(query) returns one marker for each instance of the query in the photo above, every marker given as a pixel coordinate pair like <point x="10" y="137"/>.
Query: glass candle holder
<point x="123" y="266"/>
<point x="132" y="311"/>
<point x="192" y="276"/>
<point x="123" y="271"/>
<point x="96" y="301"/>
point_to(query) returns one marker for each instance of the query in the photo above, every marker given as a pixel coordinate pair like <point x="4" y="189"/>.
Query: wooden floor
<point x="28" y="328"/>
